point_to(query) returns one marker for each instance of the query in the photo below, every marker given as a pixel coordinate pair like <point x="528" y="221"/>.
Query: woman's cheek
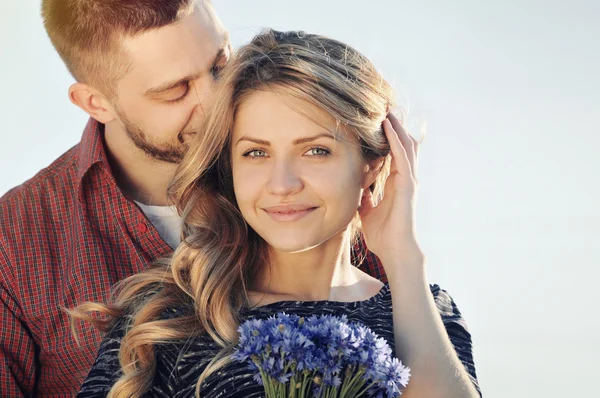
<point x="247" y="183"/>
<point x="330" y="178"/>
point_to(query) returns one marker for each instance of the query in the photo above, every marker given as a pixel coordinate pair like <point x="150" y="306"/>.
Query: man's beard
<point x="166" y="151"/>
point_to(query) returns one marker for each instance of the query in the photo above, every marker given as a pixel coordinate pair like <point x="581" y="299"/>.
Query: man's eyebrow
<point x="226" y="45"/>
<point x="296" y="142"/>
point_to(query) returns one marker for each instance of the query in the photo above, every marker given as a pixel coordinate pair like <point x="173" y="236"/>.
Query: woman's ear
<point x="372" y="170"/>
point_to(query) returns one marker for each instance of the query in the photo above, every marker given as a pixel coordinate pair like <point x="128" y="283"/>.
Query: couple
<point x="274" y="170"/>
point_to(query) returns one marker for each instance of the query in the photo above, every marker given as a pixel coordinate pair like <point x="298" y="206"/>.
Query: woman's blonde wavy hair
<point x="208" y="275"/>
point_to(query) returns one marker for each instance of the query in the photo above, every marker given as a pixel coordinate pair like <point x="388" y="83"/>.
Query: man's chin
<point x="173" y="156"/>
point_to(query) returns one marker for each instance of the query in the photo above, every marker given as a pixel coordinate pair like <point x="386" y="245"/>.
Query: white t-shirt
<point x="166" y="221"/>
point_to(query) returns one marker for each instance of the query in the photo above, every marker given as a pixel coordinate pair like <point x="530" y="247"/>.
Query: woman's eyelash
<point x="326" y="151"/>
<point x="249" y="151"/>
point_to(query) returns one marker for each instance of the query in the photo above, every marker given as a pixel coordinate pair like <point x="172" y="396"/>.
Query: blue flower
<point x="318" y="353"/>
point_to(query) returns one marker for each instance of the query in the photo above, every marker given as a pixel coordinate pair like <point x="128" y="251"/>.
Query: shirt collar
<point x="91" y="149"/>
<point x="91" y="152"/>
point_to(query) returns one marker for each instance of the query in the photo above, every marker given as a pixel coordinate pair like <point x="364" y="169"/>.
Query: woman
<point x="291" y="163"/>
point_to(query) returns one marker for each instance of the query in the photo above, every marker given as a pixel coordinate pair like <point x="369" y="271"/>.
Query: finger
<point x="416" y="144"/>
<point x="407" y="141"/>
<point x="415" y="165"/>
<point x="400" y="161"/>
<point x="417" y="147"/>
<point x="404" y="137"/>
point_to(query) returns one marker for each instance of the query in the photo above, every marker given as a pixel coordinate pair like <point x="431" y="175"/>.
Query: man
<point x="145" y="70"/>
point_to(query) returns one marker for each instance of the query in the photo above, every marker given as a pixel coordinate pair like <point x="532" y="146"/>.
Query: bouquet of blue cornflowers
<point x="321" y="356"/>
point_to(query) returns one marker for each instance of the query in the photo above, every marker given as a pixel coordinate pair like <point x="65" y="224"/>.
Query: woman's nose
<point x="284" y="180"/>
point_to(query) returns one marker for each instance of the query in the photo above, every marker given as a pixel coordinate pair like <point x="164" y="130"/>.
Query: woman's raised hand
<point x="388" y="227"/>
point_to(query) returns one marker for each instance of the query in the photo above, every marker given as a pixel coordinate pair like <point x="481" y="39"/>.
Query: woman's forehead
<point x="277" y="109"/>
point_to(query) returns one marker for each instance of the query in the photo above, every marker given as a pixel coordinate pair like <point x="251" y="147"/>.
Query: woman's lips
<point x="289" y="212"/>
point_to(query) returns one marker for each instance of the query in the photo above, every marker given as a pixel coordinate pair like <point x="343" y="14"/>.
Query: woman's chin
<point x="291" y="245"/>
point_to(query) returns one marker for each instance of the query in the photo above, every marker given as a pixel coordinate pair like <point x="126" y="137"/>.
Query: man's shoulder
<point x="57" y="176"/>
<point x="39" y="202"/>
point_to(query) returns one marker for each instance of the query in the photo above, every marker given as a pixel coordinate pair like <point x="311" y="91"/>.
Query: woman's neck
<point x="321" y="273"/>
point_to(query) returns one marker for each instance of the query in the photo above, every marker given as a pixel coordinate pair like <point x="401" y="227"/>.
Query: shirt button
<point x="142" y="227"/>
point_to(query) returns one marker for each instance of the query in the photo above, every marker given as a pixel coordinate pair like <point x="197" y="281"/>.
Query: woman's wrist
<point x="406" y="257"/>
<point x="405" y="271"/>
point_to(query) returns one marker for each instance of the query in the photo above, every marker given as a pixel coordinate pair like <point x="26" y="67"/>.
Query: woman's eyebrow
<point x="296" y="142"/>
<point x="255" y="140"/>
<point x="313" y="138"/>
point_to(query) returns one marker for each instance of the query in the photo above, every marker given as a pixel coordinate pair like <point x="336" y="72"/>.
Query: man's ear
<point x="372" y="170"/>
<point x="92" y="102"/>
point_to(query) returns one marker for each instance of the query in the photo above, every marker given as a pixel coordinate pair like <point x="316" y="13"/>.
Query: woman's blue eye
<point x="255" y="153"/>
<point x="318" y="152"/>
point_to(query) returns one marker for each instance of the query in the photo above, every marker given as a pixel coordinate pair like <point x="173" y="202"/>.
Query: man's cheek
<point x="167" y="118"/>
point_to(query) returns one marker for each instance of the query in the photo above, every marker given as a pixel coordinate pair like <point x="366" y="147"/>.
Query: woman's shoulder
<point x="106" y="369"/>
<point x="117" y="330"/>
<point x="447" y="307"/>
<point x="457" y="330"/>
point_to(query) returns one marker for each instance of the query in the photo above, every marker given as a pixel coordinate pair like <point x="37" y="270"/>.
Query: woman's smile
<point x="289" y="212"/>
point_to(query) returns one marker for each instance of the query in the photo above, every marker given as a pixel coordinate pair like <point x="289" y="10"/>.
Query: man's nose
<point x="284" y="180"/>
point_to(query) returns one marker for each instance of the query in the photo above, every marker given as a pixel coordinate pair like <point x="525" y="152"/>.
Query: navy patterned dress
<point x="180" y="365"/>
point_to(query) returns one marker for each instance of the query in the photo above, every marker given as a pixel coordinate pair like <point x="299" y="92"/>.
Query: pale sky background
<point x="509" y="171"/>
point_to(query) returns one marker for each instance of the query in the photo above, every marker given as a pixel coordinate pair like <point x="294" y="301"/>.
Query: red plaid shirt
<point x="66" y="236"/>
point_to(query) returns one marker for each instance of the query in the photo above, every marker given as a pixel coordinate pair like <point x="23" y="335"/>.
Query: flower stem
<point x="364" y="390"/>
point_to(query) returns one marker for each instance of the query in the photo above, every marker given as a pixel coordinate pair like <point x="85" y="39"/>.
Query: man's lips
<point x="182" y="137"/>
<point x="289" y="212"/>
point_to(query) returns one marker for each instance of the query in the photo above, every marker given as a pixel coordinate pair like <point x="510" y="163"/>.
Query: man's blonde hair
<point x="87" y="33"/>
